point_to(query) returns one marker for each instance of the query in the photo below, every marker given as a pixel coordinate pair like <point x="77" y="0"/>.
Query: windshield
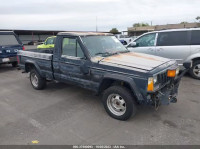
<point x="8" y="40"/>
<point x="103" y="45"/>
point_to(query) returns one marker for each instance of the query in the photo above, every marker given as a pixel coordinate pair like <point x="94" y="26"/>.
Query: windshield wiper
<point x="103" y="53"/>
<point x="111" y="53"/>
<point x="118" y="52"/>
<point x="124" y="51"/>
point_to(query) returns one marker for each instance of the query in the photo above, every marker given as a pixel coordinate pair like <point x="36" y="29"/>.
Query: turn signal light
<point x="150" y="86"/>
<point x="171" y="73"/>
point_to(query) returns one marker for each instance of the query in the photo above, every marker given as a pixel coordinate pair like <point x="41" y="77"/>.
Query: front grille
<point x="162" y="78"/>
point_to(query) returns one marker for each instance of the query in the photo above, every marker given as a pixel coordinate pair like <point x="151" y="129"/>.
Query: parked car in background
<point x="124" y="39"/>
<point x="49" y="43"/>
<point x="10" y="44"/>
<point x="99" y="62"/>
<point x="180" y="44"/>
<point x="133" y="37"/>
<point x="34" y="43"/>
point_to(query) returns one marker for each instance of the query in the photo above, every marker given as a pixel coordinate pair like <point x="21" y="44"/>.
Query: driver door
<point x="145" y="44"/>
<point x="73" y="62"/>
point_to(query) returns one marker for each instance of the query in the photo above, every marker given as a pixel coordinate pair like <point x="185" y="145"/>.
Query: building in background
<point x="137" y="31"/>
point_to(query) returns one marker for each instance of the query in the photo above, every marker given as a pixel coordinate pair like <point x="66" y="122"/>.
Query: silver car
<point x="180" y="44"/>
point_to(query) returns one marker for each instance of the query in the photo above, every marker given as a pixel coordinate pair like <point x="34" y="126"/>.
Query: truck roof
<point x="85" y="33"/>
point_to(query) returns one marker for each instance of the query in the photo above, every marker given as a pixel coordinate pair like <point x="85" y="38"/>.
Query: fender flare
<point x="127" y="80"/>
<point x="34" y="64"/>
<point x="193" y="56"/>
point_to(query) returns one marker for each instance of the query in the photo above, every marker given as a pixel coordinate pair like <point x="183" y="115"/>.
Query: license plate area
<point x="5" y="60"/>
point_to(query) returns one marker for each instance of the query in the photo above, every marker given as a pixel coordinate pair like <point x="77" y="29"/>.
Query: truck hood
<point x="136" y="60"/>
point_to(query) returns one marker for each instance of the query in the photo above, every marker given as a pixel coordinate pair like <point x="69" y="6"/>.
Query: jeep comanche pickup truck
<point x="99" y="62"/>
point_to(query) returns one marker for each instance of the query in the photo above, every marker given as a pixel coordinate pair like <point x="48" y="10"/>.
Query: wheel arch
<point x="193" y="57"/>
<point x="127" y="82"/>
<point x="31" y="65"/>
<point x="196" y="59"/>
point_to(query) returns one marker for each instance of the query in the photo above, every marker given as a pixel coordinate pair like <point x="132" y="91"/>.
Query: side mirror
<point x="133" y="44"/>
<point x="84" y="68"/>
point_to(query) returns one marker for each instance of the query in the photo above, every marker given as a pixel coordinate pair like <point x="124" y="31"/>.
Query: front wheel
<point x="119" y="102"/>
<point x="195" y="70"/>
<point x="36" y="80"/>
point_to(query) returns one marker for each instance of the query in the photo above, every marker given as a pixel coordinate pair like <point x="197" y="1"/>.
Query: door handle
<point x="150" y="49"/>
<point x="160" y="49"/>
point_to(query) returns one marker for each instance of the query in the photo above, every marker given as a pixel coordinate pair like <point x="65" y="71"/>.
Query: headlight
<point x="177" y="71"/>
<point x="150" y="86"/>
<point x="173" y="73"/>
<point x="151" y="83"/>
<point x="155" y="79"/>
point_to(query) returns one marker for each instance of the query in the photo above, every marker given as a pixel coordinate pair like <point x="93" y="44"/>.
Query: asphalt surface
<point x="65" y="114"/>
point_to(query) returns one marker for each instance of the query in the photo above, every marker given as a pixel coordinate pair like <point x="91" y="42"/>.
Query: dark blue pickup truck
<point x="99" y="62"/>
<point x="9" y="46"/>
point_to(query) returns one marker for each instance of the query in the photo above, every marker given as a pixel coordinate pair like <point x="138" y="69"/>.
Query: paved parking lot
<point x="66" y="114"/>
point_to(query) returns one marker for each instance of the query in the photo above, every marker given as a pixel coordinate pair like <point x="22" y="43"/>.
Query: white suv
<point x="180" y="44"/>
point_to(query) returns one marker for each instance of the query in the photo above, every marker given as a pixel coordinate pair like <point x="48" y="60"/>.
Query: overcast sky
<point x="80" y="15"/>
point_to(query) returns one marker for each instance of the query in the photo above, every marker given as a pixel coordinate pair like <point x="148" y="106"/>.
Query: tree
<point x="140" y="24"/>
<point x="114" y="31"/>
<point x="183" y="22"/>
<point x="198" y="18"/>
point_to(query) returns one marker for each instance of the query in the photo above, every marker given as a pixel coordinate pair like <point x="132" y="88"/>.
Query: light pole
<point x="96" y="24"/>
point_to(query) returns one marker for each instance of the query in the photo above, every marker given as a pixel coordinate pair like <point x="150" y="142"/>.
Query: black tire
<point x="14" y="64"/>
<point x="127" y="97"/>
<point x="192" y="73"/>
<point x="40" y="83"/>
<point x="125" y="43"/>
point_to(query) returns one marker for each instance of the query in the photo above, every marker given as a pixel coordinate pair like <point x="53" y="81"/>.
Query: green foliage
<point x="140" y="24"/>
<point x="114" y="31"/>
<point x="198" y="18"/>
<point x="183" y="22"/>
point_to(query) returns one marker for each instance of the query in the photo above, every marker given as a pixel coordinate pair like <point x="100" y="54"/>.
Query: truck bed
<point x="36" y="53"/>
<point x="42" y="59"/>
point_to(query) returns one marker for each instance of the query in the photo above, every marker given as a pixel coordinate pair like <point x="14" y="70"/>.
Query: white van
<point x="180" y="44"/>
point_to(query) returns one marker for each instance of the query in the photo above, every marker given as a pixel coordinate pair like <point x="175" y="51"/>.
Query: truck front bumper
<point x="169" y="93"/>
<point x="8" y="60"/>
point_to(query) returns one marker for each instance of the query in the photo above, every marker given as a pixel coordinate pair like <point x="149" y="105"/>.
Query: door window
<point x="50" y="41"/>
<point x="6" y="40"/>
<point x="146" y="40"/>
<point x="195" y="40"/>
<point x="172" y="38"/>
<point x="71" y="47"/>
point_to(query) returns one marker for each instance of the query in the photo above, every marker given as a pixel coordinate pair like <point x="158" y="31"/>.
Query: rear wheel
<point x="195" y="70"/>
<point x="36" y="80"/>
<point x="119" y="102"/>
